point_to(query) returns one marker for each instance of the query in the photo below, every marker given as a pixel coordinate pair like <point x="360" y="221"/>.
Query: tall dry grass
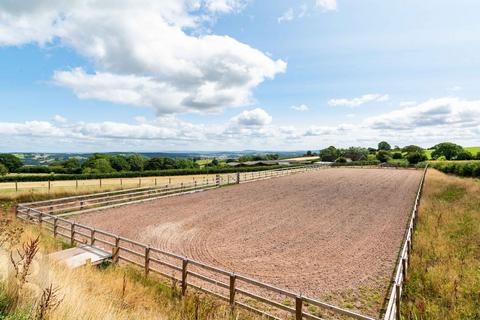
<point x="90" y="292"/>
<point x="444" y="275"/>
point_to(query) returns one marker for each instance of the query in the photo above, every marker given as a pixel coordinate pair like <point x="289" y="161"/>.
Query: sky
<point x="211" y="75"/>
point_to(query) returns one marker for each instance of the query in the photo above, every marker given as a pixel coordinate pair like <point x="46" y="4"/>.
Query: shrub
<point x="341" y="160"/>
<point x="416" y="157"/>
<point x="383" y="155"/>
<point x="477" y="156"/>
<point x="466" y="169"/>
<point x="3" y="170"/>
<point x="464" y="155"/>
<point x="397" y="155"/>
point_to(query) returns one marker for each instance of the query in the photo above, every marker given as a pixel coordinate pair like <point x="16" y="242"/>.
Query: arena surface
<point x="332" y="234"/>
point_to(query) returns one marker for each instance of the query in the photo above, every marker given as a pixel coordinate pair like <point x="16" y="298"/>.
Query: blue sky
<point x="235" y="74"/>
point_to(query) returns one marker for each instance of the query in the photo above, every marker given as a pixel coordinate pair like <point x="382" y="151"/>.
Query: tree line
<point x="97" y="163"/>
<point x="384" y="153"/>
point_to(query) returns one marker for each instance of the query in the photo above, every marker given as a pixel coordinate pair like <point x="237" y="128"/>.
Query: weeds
<point x="444" y="273"/>
<point x="49" y="301"/>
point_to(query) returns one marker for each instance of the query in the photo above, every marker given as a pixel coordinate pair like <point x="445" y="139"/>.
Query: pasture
<point x="332" y="234"/>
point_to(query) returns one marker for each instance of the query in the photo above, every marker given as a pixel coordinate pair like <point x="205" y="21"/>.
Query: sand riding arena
<point x="330" y="234"/>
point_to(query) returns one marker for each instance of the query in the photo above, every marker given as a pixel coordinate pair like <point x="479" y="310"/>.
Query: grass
<point x="444" y="275"/>
<point x="111" y="292"/>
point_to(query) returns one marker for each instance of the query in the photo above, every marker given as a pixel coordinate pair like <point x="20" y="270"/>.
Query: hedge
<point x="464" y="168"/>
<point x="356" y="163"/>
<point x="170" y="172"/>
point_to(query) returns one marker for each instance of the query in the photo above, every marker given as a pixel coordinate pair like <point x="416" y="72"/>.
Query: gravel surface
<point x="323" y="233"/>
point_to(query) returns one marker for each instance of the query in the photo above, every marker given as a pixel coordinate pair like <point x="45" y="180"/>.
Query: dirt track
<point x="332" y="231"/>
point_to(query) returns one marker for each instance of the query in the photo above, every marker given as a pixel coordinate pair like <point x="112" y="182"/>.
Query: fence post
<point x="16" y="210"/>
<point x="72" y="234"/>
<point x="238" y="177"/>
<point x="81" y="205"/>
<point x="184" y="276"/>
<point x="55" y="221"/>
<point x="139" y="182"/>
<point x="49" y="185"/>
<point x="100" y="180"/>
<point x="155" y="181"/>
<point x="116" y="251"/>
<point x="147" y="260"/>
<point x="76" y="183"/>
<point x="40" y="218"/>
<point x="92" y="237"/>
<point x="397" y="301"/>
<point x="404" y="268"/>
<point x="233" y="277"/>
<point x="16" y="186"/>
<point x="298" y="308"/>
<point x="217" y="180"/>
<point x="121" y="183"/>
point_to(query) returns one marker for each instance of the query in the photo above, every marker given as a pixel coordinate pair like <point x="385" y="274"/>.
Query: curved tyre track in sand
<point x="320" y="232"/>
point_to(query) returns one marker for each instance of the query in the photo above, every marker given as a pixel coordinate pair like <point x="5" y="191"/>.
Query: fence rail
<point x="392" y="311"/>
<point x="236" y="289"/>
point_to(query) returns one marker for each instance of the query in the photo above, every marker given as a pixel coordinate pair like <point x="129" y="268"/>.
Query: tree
<point x="214" y="162"/>
<point x="154" y="164"/>
<point x="383" y="156"/>
<point x="447" y="149"/>
<point x="136" y="162"/>
<point x="477" y="156"/>
<point x="119" y="163"/>
<point x="384" y="145"/>
<point x="71" y="164"/>
<point x="3" y="170"/>
<point x="90" y="162"/>
<point x="464" y="155"/>
<point x="416" y="157"/>
<point x="412" y="148"/>
<point x="99" y="166"/>
<point x="329" y="154"/>
<point x="11" y="162"/>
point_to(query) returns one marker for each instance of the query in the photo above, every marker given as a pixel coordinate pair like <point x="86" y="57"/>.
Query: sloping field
<point x="333" y="234"/>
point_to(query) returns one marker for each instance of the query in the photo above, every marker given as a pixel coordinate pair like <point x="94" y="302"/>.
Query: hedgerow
<point x="464" y="169"/>
<point x="356" y="163"/>
<point x="171" y="172"/>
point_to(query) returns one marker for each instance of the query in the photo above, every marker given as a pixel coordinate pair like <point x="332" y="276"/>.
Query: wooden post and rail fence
<point x="231" y="287"/>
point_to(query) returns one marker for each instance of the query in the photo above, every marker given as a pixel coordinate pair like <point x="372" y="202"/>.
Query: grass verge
<point x="444" y="276"/>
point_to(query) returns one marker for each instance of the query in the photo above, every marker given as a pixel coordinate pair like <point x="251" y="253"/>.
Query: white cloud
<point x="256" y="117"/>
<point x="146" y="53"/>
<point x="286" y="16"/>
<point x="447" y="113"/>
<point x="58" y="118"/>
<point x="427" y="123"/>
<point x="301" y="108"/>
<point x="355" y="102"/>
<point x="327" y="5"/>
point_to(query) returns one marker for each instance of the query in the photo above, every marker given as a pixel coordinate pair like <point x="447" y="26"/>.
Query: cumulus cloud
<point x="444" y="112"/>
<point x="58" y="118"/>
<point x="256" y="117"/>
<point x="355" y="102"/>
<point x="426" y="123"/>
<point x="145" y="53"/>
<point x="300" y="108"/>
<point x="327" y="5"/>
